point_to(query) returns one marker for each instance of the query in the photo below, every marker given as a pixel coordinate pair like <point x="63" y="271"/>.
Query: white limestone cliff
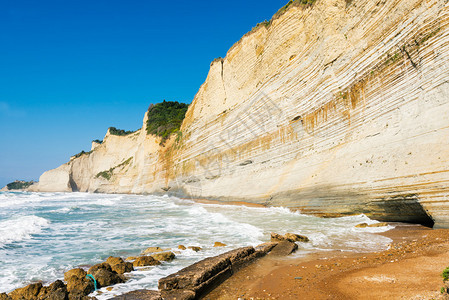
<point x="335" y="108"/>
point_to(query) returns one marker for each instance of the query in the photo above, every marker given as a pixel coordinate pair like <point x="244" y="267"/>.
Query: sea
<point x="43" y="235"/>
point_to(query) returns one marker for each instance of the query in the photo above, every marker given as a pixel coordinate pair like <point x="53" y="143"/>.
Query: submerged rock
<point x="30" y="292"/>
<point x="361" y="225"/>
<point x="152" y="250"/>
<point x="381" y="224"/>
<point x="164" y="256"/>
<point x="195" y="248"/>
<point x="143" y="261"/>
<point x="219" y="244"/>
<point x="182" y="247"/>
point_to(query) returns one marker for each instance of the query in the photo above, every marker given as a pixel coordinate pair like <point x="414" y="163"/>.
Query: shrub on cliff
<point x="165" y="118"/>
<point x="19" y="184"/>
<point x="119" y="132"/>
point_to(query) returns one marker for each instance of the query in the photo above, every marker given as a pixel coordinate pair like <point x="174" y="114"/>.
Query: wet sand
<point x="410" y="269"/>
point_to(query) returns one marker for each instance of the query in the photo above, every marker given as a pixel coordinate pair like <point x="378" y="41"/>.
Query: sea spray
<point x="60" y="231"/>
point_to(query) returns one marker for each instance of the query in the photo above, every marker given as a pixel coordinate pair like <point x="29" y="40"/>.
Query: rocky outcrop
<point x="334" y="108"/>
<point x="198" y="279"/>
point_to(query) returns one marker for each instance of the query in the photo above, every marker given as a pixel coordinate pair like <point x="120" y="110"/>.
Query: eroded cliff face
<point x="337" y="108"/>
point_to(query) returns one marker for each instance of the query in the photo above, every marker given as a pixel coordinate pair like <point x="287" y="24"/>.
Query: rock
<point x="179" y="295"/>
<point x="4" y="296"/>
<point x="152" y="250"/>
<point x="283" y="248"/>
<point x="119" y="266"/>
<point x="164" y="256"/>
<point x="275" y="237"/>
<point x="79" y="296"/>
<point x="381" y="224"/>
<point x="265" y="247"/>
<point x="293" y="237"/>
<point x="131" y="258"/>
<point x="145" y="261"/>
<point x="55" y="291"/>
<point x="105" y="277"/>
<point x="82" y="286"/>
<point x="219" y="244"/>
<point x="78" y="273"/>
<point x="30" y="292"/>
<point x="361" y="225"/>
<point x="195" y="248"/>
<point x="96" y="267"/>
<point x="182" y="247"/>
<point x="141" y="295"/>
<point x="195" y="280"/>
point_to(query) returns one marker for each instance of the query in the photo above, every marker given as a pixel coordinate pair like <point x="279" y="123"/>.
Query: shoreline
<point x="409" y="269"/>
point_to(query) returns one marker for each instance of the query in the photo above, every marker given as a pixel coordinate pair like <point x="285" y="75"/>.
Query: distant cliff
<point x="334" y="108"/>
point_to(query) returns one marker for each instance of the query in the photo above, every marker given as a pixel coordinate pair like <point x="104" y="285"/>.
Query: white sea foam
<point x="20" y="228"/>
<point x="64" y="230"/>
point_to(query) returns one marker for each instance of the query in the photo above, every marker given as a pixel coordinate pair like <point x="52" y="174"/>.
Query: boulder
<point x="152" y="250"/>
<point x="361" y="225"/>
<point x="219" y="244"/>
<point x="131" y="258"/>
<point x="164" y="256"/>
<point x="104" y="275"/>
<point x="55" y="291"/>
<point x="82" y="286"/>
<point x="145" y="261"/>
<point x="293" y="237"/>
<point x="195" y="248"/>
<point x="99" y="266"/>
<point x="119" y="266"/>
<point x="275" y="237"/>
<point x="283" y="248"/>
<point x="78" y="273"/>
<point x="182" y="247"/>
<point x="4" y="296"/>
<point x="78" y="296"/>
<point x="30" y="292"/>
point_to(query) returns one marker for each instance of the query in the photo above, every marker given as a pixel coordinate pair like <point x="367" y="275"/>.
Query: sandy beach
<point x="410" y="269"/>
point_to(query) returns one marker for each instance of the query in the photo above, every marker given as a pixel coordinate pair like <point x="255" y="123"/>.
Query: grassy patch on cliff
<point x="19" y="184"/>
<point x="107" y="174"/>
<point x="165" y="118"/>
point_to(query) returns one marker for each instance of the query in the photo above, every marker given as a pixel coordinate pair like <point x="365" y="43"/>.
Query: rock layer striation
<point x="335" y="108"/>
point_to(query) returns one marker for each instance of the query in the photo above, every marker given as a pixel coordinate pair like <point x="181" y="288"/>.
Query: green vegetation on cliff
<point x="165" y="118"/>
<point x="81" y="154"/>
<point x="19" y="185"/>
<point x="119" y="132"/>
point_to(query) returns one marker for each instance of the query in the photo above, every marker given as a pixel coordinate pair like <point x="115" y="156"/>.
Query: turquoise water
<point x="42" y="235"/>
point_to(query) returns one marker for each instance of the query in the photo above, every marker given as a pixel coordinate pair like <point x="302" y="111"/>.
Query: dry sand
<point x="410" y="269"/>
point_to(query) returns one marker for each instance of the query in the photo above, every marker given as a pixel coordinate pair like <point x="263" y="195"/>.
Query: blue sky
<point x="71" y="69"/>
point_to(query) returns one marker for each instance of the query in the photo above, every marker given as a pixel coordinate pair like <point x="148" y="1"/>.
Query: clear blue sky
<point x="71" y="69"/>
